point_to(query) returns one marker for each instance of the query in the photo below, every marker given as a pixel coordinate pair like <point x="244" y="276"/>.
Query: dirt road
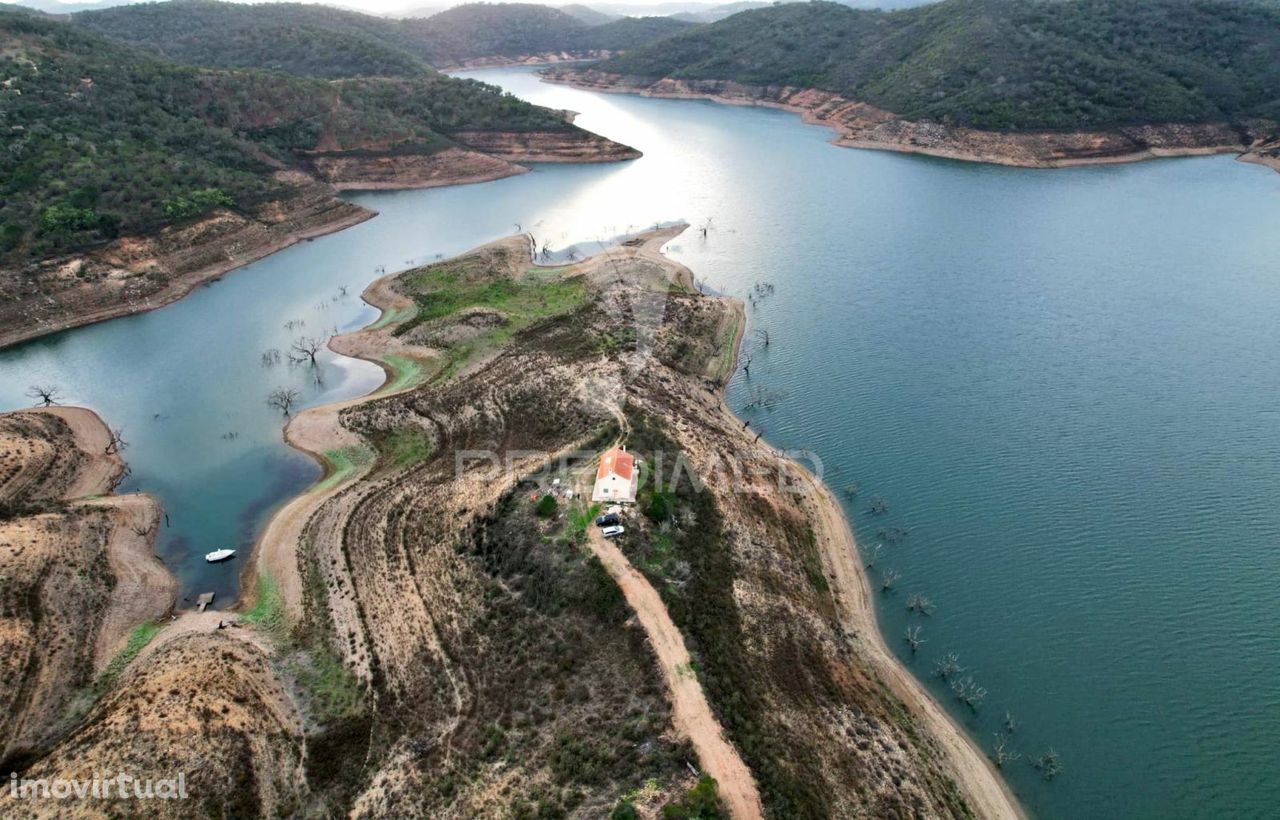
<point x="691" y="712"/>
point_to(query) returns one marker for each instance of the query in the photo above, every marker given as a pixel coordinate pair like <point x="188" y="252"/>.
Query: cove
<point x="1062" y="382"/>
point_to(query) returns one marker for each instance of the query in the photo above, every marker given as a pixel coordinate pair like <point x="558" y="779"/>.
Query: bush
<point x="624" y="811"/>
<point x="197" y="203"/>
<point x="700" y="803"/>
<point x="546" y="506"/>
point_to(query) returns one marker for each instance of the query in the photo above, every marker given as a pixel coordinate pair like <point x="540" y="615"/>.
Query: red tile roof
<point x="617" y="461"/>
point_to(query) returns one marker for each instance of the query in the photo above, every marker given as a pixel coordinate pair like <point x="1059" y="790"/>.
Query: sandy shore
<point x="984" y="788"/>
<point x="316" y="431"/>
<point x="144" y="589"/>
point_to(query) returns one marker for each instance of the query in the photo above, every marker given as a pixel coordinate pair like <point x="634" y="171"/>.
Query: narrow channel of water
<point x="1064" y="384"/>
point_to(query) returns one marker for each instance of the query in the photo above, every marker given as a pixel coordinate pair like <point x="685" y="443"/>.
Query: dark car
<point x="608" y="520"/>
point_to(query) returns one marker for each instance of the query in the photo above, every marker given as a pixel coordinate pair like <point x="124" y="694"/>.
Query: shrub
<point x="546" y="506"/>
<point x="700" y="803"/>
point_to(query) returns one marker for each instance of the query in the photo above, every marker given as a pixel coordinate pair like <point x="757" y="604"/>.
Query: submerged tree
<point x="1000" y="752"/>
<point x="1048" y="764"/>
<point x="889" y="578"/>
<point x="46" y="394"/>
<point x="919" y="604"/>
<point x="305" y="349"/>
<point x="283" y="399"/>
<point x="947" y="666"/>
<point x="115" y="441"/>
<point x="913" y="638"/>
<point x="968" y="692"/>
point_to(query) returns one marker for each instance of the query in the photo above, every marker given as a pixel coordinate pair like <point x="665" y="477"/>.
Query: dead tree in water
<point x="948" y="666"/>
<point x="762" y="397"/>
<point x="763" y="335"/>
<point x="919" y="604"/>
<point x="115" y="441"/>
<point x="874" y="555"/>
<point x="46" y="394"/>
<point x="969" y="692"/>
<point x="305" y="349"/>
<point x="851" y="490"/>
<point x="889" y="578"/>
<point x="283" y="399"/>
<point x="913" y="638"/>
<point x="1048" y="765"/>
<point x="1010" y="725"/>
<point x="1000" y="753"/>
<point x="746" y="365"/>
<point x="878" y="506"/>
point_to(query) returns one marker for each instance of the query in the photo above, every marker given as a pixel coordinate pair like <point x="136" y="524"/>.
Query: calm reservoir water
<point x="1064" y="383"/>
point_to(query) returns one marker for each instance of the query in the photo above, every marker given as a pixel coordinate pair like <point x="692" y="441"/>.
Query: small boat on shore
<point x="218" y="555"/>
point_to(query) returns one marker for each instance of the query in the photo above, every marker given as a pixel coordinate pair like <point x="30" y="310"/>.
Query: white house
<point x="616" y="480"/>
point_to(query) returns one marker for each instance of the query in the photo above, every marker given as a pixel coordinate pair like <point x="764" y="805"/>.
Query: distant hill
<point x="494" y="30"/>
<point x="1000" y="64"/>
<point x="715" y="13"/>
<point x="54" y="7"/>
<point x="307" y="40"/>
<point x="588" y="15"/>
<point x="630" y="32"/>
<point x="106" y="140"/>
<point x="322" y="41"/>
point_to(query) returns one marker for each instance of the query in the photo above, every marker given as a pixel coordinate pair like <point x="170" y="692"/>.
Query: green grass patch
<point x="393" y="316"/>
<point x="268" y="610"/>
<point x="342" y="465"/>
<point x="578" y="521"/>
<point x="138" y="640"/>
<point x="405" y="372"/>
<point x="334" y="692"/>
<point x="444" y="290"/>
<point x="404" y="447"/>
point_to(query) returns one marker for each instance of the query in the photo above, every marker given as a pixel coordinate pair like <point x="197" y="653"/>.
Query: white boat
<point x="219" y="555"/>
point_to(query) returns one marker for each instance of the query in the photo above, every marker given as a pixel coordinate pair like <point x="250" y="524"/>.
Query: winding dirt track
<point x="690" y="711"/>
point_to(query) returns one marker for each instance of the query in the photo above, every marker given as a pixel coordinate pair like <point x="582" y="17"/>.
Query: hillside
<point x="245" y="149"/>
<point x="588" y="15"/>
<point x="307" y="40"/>
<point x="1000" y="65"/>
<point x="321" y="41"/>
<point x="630" y="32"/>
<point x="494" y="30"/>
<point x="77" y="571"/>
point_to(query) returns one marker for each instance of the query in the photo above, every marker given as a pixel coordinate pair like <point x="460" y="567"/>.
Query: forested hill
<point x="321" y="41"/>
<point x="102" y="139"/>
<point x="494" y="30"/>
<point x="518" y="29"/>
<point x="308" y="40"/>
<point x="1001" y="64"/>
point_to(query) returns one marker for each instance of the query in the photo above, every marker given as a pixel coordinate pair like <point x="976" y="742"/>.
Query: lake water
<point x="1064" y="383"/>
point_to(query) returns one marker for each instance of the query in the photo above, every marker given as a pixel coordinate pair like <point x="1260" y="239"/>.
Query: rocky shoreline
<point x="861" y="125"/>
<point x="141" y="273"/>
